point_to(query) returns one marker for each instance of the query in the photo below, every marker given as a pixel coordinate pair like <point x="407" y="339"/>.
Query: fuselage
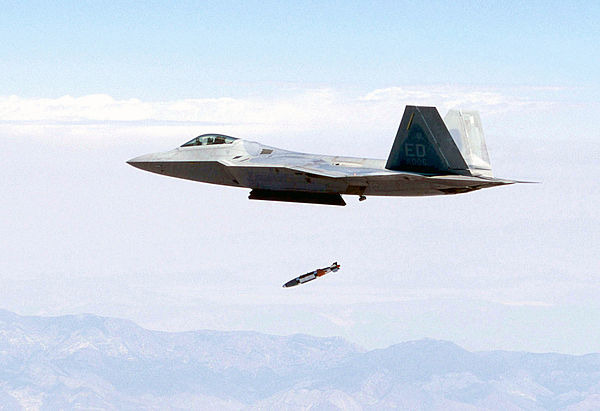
<point x="242" y="163"/>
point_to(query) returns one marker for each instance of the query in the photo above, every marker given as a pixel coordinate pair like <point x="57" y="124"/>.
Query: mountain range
<point x="87" y="361"/>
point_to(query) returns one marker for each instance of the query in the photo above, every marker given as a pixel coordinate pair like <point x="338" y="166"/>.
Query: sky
<point x="85" y="86"/>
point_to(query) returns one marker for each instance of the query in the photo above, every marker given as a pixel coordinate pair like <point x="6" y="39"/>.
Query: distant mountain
<point x="86" y="361"/>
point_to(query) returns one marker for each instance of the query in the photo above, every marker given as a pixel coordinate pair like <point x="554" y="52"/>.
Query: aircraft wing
<point x="325" y="169"/>
<point x="325" y="166"/>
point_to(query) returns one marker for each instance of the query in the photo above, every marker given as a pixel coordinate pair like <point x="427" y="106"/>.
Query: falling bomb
<point x="312" y="275"/>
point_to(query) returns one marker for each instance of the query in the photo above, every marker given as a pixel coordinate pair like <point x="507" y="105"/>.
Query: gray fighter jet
<point x="430" y="156"/>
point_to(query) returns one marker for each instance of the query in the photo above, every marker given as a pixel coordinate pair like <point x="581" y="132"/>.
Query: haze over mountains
<point x="87" y="361"/>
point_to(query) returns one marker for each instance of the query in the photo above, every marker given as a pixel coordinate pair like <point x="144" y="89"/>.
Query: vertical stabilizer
<point x="424" y="145"/>
<point x="465" y="128"/>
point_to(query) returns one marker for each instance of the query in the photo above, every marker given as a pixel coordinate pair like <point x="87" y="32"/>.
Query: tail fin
<point x="465" y="128"/>
<point x="424" y="145"/>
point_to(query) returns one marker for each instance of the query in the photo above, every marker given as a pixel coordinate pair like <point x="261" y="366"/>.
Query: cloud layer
<point x="102" y="117"/>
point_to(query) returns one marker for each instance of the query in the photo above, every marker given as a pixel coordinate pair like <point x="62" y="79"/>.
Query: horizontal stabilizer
<point x="297" y="197"/>
<point x="424" y="145"/>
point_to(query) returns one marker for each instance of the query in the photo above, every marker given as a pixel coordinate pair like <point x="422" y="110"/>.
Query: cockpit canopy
<point x="209" y="139"/>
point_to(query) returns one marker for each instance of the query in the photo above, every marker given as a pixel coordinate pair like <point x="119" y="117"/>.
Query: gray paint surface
<point x="424" y="161"/>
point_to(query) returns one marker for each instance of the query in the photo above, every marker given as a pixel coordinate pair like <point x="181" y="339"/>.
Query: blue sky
<point x="159" y="50"/>
<point x="87" y="85"/>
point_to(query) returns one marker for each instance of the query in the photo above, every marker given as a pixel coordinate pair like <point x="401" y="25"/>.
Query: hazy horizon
<point x="88" y="86"/>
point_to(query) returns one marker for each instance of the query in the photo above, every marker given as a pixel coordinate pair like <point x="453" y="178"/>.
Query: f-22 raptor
<point x="430" y="156"/>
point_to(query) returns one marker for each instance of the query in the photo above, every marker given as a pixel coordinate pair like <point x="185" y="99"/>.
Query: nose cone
<point x="144" y="162"/>
<point x="141" y="159"/>
<point x="291" y="283"/>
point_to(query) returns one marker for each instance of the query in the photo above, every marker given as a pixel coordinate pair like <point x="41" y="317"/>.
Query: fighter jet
<point x="430" y="156"/>
<point x="312" y="275"/>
